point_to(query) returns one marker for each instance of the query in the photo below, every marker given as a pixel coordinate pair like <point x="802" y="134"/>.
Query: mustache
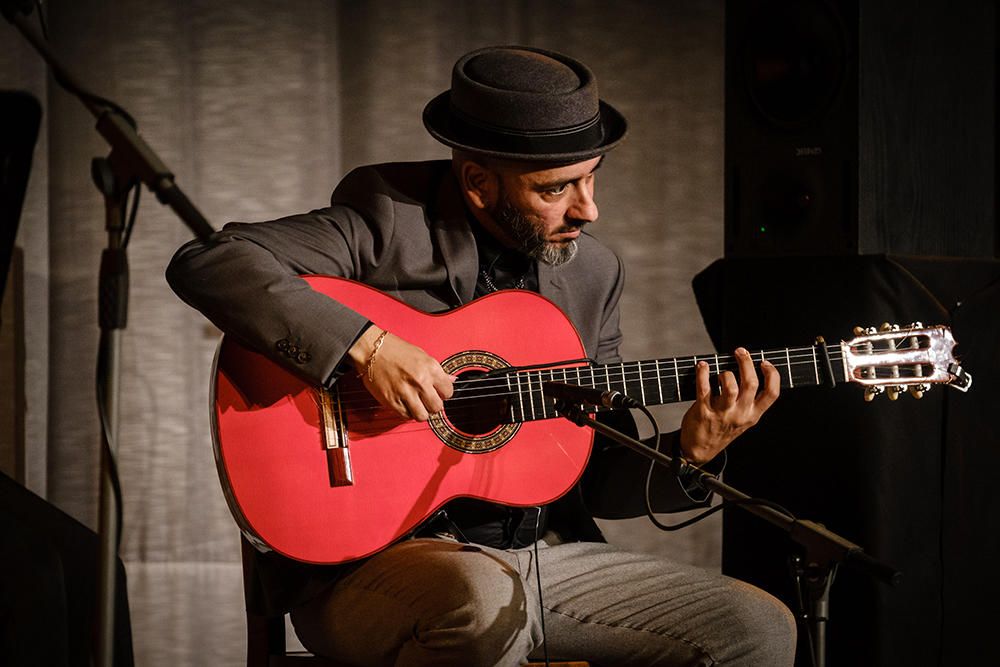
<point x="572" y="226"/>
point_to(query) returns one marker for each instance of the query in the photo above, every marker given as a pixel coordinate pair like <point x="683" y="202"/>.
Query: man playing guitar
<point x="528" y="134"/>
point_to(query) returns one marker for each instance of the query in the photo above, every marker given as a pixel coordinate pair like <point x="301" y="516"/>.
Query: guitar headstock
<point x="894" y="359"/>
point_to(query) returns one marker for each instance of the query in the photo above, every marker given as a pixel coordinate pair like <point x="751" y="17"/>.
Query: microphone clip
<point x="578" y="394"/>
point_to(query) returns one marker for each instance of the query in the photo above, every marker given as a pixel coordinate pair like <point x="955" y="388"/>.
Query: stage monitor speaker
<point x="48" y="586"/>
<point x="860" y="127"/>
<point x="910" y="481"/>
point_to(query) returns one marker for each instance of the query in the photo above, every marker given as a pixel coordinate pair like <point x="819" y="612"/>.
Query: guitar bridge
<point x="335" y="439"/>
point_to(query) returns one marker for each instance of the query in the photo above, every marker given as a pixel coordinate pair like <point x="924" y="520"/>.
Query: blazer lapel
<point x="455" y="240"/>
<point x="552" y="285"/>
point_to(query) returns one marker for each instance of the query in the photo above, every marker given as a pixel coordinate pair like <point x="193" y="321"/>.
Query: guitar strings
<point x="502" y="387"/>
<point x="630" y="371"/>
<point x="798" y="357"/>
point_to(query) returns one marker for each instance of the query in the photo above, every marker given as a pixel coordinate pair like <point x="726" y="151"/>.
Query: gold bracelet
<point x="371" y="358"/>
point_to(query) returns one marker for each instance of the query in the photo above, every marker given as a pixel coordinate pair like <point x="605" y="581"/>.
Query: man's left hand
<point x="714" y="421"/>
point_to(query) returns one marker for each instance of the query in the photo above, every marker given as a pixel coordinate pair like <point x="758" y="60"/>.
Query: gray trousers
<point x="438" y="602"/>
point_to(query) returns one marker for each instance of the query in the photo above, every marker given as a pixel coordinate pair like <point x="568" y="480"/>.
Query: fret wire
<point x="528" y="376"/>
<point x="510" y="389"/>
<point x="788" y="360"/>
<point x="541" y="394"/>
<point x="642" y="385"/>
<point x="659" y="383"/>
<point x="542" y="398"/>
<point x="548" y="407"/>
<point x="815" y="365"/>
<point x="520" y="397"/>
<point x="537" y="393"/>
<point x="628" y="389"/>
<point x="677" y="379"/>
<point x="607" y="377"/>
<point x="531" y="396"/>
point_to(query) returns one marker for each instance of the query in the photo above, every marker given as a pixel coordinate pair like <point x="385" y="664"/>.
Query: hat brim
<point x="438" y="119"/>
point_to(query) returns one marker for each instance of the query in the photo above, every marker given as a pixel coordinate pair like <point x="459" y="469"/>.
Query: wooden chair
<point x="266" y="637"/>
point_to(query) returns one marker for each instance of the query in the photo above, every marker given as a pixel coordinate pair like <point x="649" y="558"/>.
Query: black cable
<point x="109" y="447"/>
<point x="676" y="465"/>
<point x="538" y="581"/>
<point x="721" y="506"/>
<point x="136" y="191"/>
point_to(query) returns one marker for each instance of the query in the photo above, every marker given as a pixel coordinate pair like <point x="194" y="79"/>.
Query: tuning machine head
<point x="872" y="391"/>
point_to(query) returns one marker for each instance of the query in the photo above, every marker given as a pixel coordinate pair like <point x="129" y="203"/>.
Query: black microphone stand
<point x="130" y="161"/>
<point x="823" y="549"/>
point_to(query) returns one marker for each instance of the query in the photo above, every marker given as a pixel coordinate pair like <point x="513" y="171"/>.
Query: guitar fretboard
<point x="661" y="381"/>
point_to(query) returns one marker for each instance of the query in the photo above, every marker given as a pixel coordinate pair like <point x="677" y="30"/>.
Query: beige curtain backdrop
<point x="259" y="107"/>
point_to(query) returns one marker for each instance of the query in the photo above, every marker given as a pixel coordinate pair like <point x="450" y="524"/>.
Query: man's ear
<point x="479" y="183"/>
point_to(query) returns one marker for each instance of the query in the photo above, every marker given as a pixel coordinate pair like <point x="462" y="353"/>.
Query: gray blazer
<point x="401" y="228"/>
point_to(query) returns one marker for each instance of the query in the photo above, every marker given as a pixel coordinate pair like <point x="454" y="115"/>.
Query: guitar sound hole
<point x="477" y="407"/>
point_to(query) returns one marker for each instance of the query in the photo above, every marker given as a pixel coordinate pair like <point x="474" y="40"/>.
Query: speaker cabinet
<point x="859" y="127"/>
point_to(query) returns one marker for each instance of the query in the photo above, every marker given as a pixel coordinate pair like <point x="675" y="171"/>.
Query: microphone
<point x="575" y="393"/>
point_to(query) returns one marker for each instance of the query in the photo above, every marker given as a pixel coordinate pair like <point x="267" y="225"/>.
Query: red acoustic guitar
<point x="331" y="476"/>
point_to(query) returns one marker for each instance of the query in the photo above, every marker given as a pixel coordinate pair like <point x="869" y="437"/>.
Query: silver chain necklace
<point x="491" y="286"/>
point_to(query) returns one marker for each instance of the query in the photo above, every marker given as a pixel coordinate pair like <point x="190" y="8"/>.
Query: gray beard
<point x="529" y="239"/>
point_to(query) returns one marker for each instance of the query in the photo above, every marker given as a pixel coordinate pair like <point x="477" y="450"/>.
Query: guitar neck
<point x="663" y="381"/>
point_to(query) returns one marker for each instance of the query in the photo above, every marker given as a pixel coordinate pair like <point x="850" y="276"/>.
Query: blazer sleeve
<point x="245" y="279"/>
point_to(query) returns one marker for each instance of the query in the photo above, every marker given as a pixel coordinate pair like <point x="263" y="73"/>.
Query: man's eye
<point x="558" y="190"/>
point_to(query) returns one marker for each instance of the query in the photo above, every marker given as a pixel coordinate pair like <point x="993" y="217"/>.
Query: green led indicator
<point x="763" y="229"/>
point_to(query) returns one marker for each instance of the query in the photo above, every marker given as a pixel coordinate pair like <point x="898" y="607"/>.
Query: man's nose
<point x="584" y="207"/>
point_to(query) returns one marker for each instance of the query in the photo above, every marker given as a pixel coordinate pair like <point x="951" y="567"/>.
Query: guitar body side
<point x="270" y="444"/>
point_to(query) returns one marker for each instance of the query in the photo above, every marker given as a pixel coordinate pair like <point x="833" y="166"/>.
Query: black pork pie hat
<point x="523" y="103"/>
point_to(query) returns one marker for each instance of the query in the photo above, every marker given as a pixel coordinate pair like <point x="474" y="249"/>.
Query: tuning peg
<point x="892" y="392"/>
<point x="872" y="392"/>
<point x="918" y="390"/>
<point x="915" y="325"/>
<point x="888" y="327"/>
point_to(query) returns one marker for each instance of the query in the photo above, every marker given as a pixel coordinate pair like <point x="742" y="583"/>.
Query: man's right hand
<point x="403" y="377"/>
